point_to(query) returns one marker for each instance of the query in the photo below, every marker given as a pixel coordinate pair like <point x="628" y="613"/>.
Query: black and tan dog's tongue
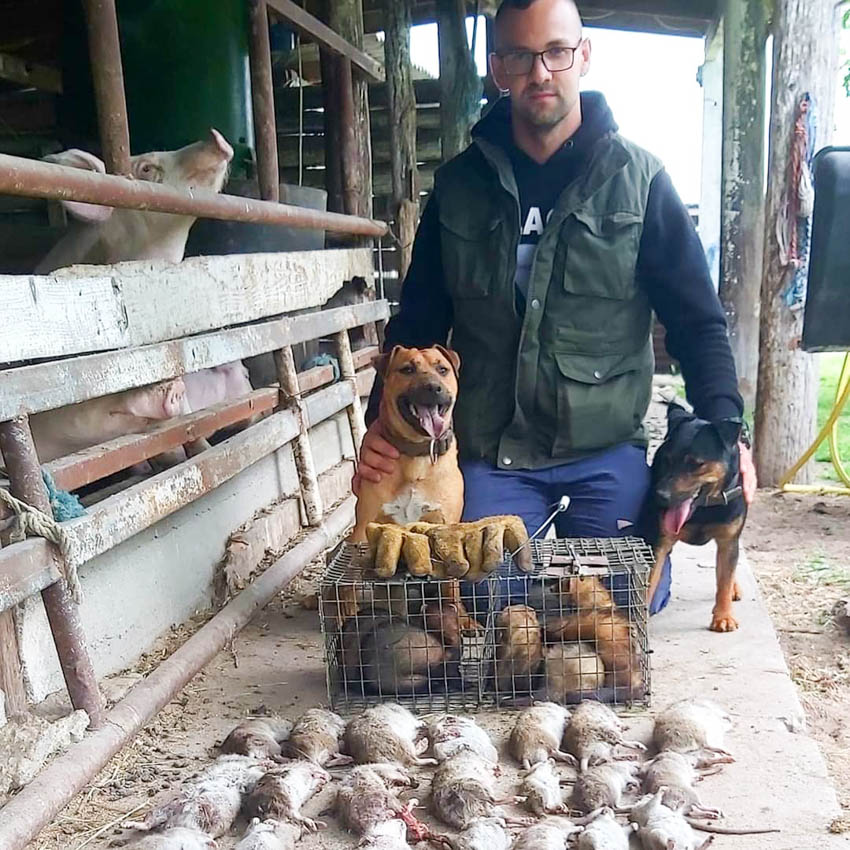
<point x="676" y="516"/>
<point x="432" y="422"/>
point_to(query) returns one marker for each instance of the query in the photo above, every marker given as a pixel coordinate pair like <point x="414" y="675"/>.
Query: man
<point x="543" y="250"/>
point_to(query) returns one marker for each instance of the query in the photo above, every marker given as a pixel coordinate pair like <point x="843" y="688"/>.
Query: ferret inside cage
<point x="574" y="628"/>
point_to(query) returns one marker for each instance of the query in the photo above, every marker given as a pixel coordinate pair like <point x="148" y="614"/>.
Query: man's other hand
<point x="749" y="481"/>
<point x="377" y="458"/>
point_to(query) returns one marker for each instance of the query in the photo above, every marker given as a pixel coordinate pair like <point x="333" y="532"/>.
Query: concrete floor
<point x="779" y="778"/>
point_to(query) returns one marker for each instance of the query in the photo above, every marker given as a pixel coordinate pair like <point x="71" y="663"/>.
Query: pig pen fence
<point x="573" y="628"/>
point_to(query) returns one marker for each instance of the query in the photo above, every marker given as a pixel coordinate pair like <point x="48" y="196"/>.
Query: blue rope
<point x="322" y="360"/>
<point x="64" y="505"/>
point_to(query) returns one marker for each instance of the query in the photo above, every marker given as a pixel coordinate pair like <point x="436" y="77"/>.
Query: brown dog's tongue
<point x="433" y="424"/>
<point x="674" y="518"/>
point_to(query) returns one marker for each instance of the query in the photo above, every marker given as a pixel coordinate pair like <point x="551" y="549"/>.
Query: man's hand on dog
<point x="749" y="481"/>
<point x="377" y="457"/>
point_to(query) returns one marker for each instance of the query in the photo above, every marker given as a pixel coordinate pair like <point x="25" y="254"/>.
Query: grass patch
<point x="830" y="369"/>
<point x="820" y="571"/>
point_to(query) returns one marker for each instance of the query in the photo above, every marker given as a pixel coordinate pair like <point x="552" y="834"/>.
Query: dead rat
<point x="365" y="797"/>
<point x="662" y="828"/>
<point x="604" y="832"/>
<point x="490" y="833"/>
<point x="593" y="732"/>
<point x="542" y="789"/>
<point x="386" y="733"/>
<point x="603" y="785"/>
<point x="388" y="835"/>
<point x="537" y="734"/>
<point x="463" y="789"/>
<point x="550" y="834"/>
<point x="259" y="738"/>
<point x="451" y="733"/>
<point x="677" y="773"/>
<point x="211" y="801"/>
<point x="269" y="835"/>
<point x="178" y="838"/>
<point x="316" y="737"/>
<point x="690" y="725"/>
<point x="281" y="792"/>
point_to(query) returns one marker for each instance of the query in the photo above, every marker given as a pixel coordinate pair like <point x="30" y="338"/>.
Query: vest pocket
<point x="601" y="399"/>
<point x="601" y="254"/>
<point x="469" y="251"/>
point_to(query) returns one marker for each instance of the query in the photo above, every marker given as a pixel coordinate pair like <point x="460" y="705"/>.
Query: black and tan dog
<point x="696" y="496"/>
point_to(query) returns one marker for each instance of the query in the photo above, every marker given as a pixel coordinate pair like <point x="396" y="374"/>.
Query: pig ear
<point x="74" y="158"/>
<point x="381" y="362"/>
<point x="452" y="356"/>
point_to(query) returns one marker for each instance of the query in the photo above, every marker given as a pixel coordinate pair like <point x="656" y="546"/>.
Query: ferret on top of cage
<point x="571" y="625"/>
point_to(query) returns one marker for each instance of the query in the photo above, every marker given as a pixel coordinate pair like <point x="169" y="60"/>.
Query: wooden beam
<point x="29" y="566"/>
<point x="331" y="144"/>
<point x="44" y="386"/>
<point x="11" y="675"/>
<point x="325" y="37"/>
<point x="805" y="48"/>
<point x="742" y="195"/>
<point x="98" y="308"/>
<point x="33" y="74"/>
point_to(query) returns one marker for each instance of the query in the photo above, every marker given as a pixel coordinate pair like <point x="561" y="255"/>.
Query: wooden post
<point x="25" y="483"/>
<point x="108" y="78"/>
<point x="404" y="202"/>
<point x="330" y="117"/>
<point x="742" y="200"/>
<point x="346" y="368"/>
<point x="460" y="88"/>
<point x="346" y="18"/>
<point x="290" y="396"/>
<point x="805" y="44"/>
<point x="11" y="676"/>
<point x="262" y="97"/>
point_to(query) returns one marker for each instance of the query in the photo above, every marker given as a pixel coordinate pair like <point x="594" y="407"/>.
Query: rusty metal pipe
<point x="26" y="484"/>
<point x="25" y="815"/>
<point x="108" y="79"/>
<point x="34" y="179"/>
<point x="262" y="97"/>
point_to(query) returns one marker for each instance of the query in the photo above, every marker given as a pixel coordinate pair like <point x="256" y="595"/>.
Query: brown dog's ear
<point x="381" y="362"/>
<point x="452" y="356"/>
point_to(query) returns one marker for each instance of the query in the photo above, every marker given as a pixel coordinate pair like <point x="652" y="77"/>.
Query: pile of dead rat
<point x="582" y="782"/>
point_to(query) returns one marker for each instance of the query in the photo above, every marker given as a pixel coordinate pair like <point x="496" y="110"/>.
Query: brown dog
<point x="420" y="388"/>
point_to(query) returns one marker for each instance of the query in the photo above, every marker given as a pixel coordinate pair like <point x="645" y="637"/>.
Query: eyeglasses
<point x="518" y="63"/>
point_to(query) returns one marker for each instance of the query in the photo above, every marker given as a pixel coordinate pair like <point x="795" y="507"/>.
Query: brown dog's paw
<point x="736" y="591"/>
<point x="723" y="621"/>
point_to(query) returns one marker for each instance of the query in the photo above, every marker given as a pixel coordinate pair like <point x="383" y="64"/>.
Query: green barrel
<point x="186" y="69"/>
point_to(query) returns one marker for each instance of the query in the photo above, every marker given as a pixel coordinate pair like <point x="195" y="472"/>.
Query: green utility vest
<point x="573" y="375"/>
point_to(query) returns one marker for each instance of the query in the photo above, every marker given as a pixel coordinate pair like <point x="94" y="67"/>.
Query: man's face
<point x="542" y="98"/>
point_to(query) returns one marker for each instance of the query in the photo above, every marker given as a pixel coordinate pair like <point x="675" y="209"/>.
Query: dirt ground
<point x="799" y="549"/>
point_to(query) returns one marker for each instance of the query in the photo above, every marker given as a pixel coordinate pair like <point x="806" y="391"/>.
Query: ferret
<point x="550" y="834"/>
<point x="690" y="725"/>
<point x="281" y="792"/>
<point x="463" y="789"/>
<point x="593" y="732"/>
<point x="177" y="838"/>
<point x="269" y="835"/>
<point x="451" y="733"/>
<point x="603" y="785"/>
<point x="677" y="774"/>
<point x="661" y="828"/>
<point x="210" y="802"/>
<point x="571" y="669"/>
<point x="604" y="833"/>
<point x="316" y="737"/>
<point x="258" y="738"/>
<point x="386" y="733"/>
<point x="520" y="648"/>
<point x="537" y="734"/>
<point x="489" y="833"/>
<point x="542" y="789"/>
<point x="599" y="621"/>
<point x="449" y="620"/>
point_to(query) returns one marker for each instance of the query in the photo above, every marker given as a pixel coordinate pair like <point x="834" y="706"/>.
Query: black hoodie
<point x="671" y="264"/>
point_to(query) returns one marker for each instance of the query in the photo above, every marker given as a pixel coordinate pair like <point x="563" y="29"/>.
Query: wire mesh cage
<point x="573" y="628"/>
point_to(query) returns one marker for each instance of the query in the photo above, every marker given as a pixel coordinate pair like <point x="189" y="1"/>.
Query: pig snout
<point x="204" y="164"/>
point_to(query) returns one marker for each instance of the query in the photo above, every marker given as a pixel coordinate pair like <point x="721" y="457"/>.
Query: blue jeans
<point x="606" y="493"/>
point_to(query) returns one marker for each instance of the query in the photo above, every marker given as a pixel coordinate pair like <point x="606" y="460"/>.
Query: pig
<point x="102" y="234"/>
